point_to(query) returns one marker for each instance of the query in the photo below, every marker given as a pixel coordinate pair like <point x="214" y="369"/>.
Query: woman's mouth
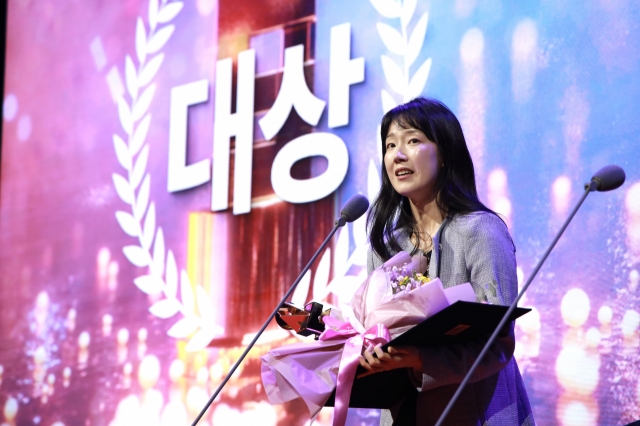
<point x="403" y="172"/>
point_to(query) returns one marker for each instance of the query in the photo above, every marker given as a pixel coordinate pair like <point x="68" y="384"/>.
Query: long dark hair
<point x="455" y="185"/>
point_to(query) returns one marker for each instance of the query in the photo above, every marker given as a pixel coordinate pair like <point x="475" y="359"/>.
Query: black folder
<point x="456" y="323"/>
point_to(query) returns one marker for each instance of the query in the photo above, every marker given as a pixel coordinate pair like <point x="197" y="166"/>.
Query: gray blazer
<point x="475" y="248"/>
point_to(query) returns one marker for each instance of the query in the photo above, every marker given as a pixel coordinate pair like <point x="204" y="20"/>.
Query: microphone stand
<point x="590" y="187"/>
<point x="339" y="223"/>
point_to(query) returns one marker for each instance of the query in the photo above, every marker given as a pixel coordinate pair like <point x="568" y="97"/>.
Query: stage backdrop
<point x="168" y="167"/>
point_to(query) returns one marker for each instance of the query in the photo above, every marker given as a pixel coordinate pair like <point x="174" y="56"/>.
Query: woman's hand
<point x="400" y="357"/>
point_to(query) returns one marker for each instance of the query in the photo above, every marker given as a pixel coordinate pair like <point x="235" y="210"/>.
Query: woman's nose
<point x="400" y="155"/>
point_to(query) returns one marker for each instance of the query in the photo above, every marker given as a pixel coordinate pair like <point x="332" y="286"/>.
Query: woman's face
<point x="412" y="163"/>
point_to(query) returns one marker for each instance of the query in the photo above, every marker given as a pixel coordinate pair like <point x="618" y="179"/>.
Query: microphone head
<point x="355" y="207"/>
<point x="608" y="178"/>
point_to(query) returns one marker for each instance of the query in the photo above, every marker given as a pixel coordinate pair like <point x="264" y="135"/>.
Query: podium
<point x="459" y="322"/>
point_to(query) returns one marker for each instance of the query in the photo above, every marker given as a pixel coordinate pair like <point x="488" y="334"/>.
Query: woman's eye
<point x="414" y="141"/>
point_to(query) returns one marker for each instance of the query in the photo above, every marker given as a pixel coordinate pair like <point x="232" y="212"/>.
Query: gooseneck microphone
<point x="355" y="207"/>
<point x="606" y="179"/>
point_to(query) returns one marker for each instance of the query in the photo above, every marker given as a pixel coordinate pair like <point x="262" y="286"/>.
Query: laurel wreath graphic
<point x="406" y="46"/>
<point x="133" y="189"/>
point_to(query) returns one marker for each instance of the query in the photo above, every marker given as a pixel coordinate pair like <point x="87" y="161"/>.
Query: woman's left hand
<point x="400" y="357"/>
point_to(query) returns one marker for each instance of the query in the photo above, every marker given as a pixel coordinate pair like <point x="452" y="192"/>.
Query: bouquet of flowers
<point x="403" y="280"/>
<point x="393" y="299"/>
<point x="397" y="295"/>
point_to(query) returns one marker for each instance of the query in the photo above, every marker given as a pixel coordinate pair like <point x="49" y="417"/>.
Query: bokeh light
<point x="149" y="371"/>
<point x="593" y="337"/>
<point x="577" y="412"/>
<point x="561" y="196"/>
<point x="605" y="315"/>
<point x="524" y="50"/>
<point x="630" y="323"/>
<point x="575" y="307"/>
<point x="10" y="409"/>
<point x="530" y="323"/>
<point x="10" y="107"/>
<point x="577" y="371"/>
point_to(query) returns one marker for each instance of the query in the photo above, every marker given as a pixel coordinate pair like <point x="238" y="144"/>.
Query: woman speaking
<point x="428" y="204"/>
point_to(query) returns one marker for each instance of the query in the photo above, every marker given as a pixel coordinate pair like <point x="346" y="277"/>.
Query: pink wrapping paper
<point x="303" y="370"/>
<point x="312" y="370"/>
<point x="374" y="301"/>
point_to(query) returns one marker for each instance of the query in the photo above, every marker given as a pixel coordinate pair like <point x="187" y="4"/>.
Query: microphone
<point x="608" y="178"/>
<point x="355" y="207"/>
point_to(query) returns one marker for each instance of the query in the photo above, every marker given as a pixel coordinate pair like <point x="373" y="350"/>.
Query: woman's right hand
<point x="400" y="357"/>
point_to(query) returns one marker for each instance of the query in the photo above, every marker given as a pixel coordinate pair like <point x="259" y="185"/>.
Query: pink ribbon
<point x="378" y="334"/>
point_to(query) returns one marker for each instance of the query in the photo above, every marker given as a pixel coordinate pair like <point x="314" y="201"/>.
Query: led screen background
<point x="547" y="93"/>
